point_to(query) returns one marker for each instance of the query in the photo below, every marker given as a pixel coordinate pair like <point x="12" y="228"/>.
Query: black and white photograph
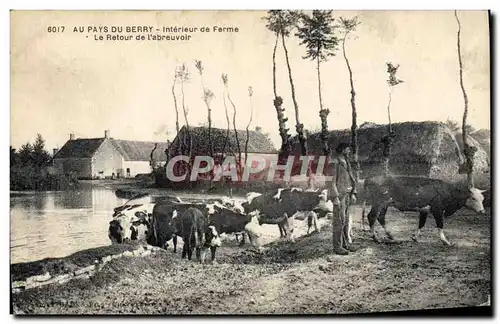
<point x="250" y="162"/>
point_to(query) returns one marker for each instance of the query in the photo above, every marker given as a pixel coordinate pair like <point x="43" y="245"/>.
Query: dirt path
<point x="300" y="277"/>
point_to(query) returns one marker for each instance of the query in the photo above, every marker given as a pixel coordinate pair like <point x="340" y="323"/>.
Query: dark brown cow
<point x="193" y="226"/>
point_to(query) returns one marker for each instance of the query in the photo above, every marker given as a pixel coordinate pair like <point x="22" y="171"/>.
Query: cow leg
<point x="290" y="225"/>
<point x="439" y="218"/>
<point x="174" y="241"/>
<point x="282" y="230"/>
<point x="237" y="237"/>
<point x="349" y="224"/>
<point x="198" y="254"/>
<point x="372" y="218"/>
<point x="242" y="243"/>
<point x="213" y="249"/>
<point x="184" y="251"/>
<point x="249" y="237"/>
<point x="363" y="216"/>
<point x="381" y="220"/>
<point x="421" y="223"/>
<point x="312" y="220"/>
<point x="190" y="251"/>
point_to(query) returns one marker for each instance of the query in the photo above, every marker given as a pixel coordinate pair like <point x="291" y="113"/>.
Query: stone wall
<point x="81" y="273"/>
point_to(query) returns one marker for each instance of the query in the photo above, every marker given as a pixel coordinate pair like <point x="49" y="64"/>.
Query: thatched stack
<point x="483" y="136"/>
<point x="420" y="148"/>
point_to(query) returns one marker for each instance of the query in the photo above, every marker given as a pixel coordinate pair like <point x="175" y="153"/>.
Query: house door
<point x="128" y="172"/>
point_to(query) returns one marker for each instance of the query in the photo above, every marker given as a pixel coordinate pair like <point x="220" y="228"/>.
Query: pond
<point x="59" y="223"/>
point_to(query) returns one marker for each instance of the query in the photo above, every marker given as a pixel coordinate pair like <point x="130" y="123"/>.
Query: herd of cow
<point x="200" y="224"/>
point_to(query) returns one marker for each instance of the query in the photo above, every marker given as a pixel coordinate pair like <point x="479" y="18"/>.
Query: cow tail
<point x="363" y="213"/>
<point x="154" y="231"/>
<point x="196" y="239"/>
<point x="366" y="194"/>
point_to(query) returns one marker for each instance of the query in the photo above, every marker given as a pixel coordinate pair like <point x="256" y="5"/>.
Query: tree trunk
<point x="238" y="164"/>
<point x="354" y="125"/>
<point x="248" y="131"/>
<point x="209" y="117"/>
<point x="274" y="66"/>
<point x="323" y="115"/>
<point x="468" y="150"/>
<point x="299" y="127"/>
<point x="152" y="161"/>
<point x="387" y="140"/>
<point x="177" y="128"/>
<point x="285" y="149"/>
<point x="189" y="145"/>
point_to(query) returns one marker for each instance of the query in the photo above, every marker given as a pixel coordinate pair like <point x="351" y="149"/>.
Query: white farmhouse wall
<point x="106" y="161"/>
<point x="136" y="167"/>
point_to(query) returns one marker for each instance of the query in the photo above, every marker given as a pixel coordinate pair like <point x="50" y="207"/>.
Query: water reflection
<point x="55" y="224"/>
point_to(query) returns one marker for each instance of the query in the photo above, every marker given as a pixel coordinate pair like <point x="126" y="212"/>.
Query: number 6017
<point x="55" y="29"/>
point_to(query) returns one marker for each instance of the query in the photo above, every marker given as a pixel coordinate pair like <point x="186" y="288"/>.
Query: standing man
<point x="343" y="193"/>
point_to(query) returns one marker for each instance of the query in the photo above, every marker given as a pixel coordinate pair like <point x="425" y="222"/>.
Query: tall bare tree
<point x="224" y="81"/>
<point x="349" y="25"/>
<point x="238" y="160"/>
<point x="250" y="94"/>
<point x="185" y="76"/>
<point x="176" y="76"/>
<point x="275" y="22"/>
<point x="469" y="151"/>
<point x="389" y="138"/>
<point x="208" y="95"/>
<point x="289" y="22"/>
<point x="317" y="34"/>
<point x="177" y="127"/>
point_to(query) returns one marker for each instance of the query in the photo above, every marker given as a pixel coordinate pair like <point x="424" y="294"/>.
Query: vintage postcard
<point x="250" y="162"/>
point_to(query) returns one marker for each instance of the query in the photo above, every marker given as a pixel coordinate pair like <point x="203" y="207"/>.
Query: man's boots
<point x="337" y="240"/>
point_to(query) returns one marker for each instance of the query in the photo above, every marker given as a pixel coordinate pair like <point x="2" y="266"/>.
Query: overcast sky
<point x="67" y="83"/>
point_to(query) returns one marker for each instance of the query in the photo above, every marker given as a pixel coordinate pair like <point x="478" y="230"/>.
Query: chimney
<point x="54" y="152"/>
<point x="106" y="134"/>
<point x="71" y="137"/>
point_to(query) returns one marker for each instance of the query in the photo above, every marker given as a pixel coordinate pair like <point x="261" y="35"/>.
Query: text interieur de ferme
<point x="142" y="33"/>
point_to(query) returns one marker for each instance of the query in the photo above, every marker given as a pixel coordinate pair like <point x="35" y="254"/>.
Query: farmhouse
<point x="224" y="143"/>
<point x="106" y="157"/>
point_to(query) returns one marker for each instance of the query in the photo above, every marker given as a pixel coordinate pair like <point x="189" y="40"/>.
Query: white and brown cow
<point x="282" y="205"/>
<point x="418" y="194"/>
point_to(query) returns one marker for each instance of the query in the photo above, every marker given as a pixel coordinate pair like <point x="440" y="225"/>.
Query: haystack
<point x="481" y="157"/>
<point x="420" y="148"/>
<point x="483" y="136"/>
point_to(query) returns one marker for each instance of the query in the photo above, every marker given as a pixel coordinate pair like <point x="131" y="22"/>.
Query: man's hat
<point x="341" y="146"/>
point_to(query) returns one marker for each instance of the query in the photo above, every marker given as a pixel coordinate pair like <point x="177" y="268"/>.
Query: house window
<point x="128" y="172"/>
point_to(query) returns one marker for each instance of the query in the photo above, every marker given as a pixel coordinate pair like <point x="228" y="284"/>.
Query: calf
<point x="193" y="226"/>
<point x="230" y="221"/>
<point x="418" y="194"/>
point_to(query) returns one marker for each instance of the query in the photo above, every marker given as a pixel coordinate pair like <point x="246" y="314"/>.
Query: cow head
<point x="115" y="232"/>
<point x="324" y="203"/>
<point x="175" y="222"/>
<point x="475" y="200"/>
<point x="212" y="236"/>
<point x="121" y="227"/>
